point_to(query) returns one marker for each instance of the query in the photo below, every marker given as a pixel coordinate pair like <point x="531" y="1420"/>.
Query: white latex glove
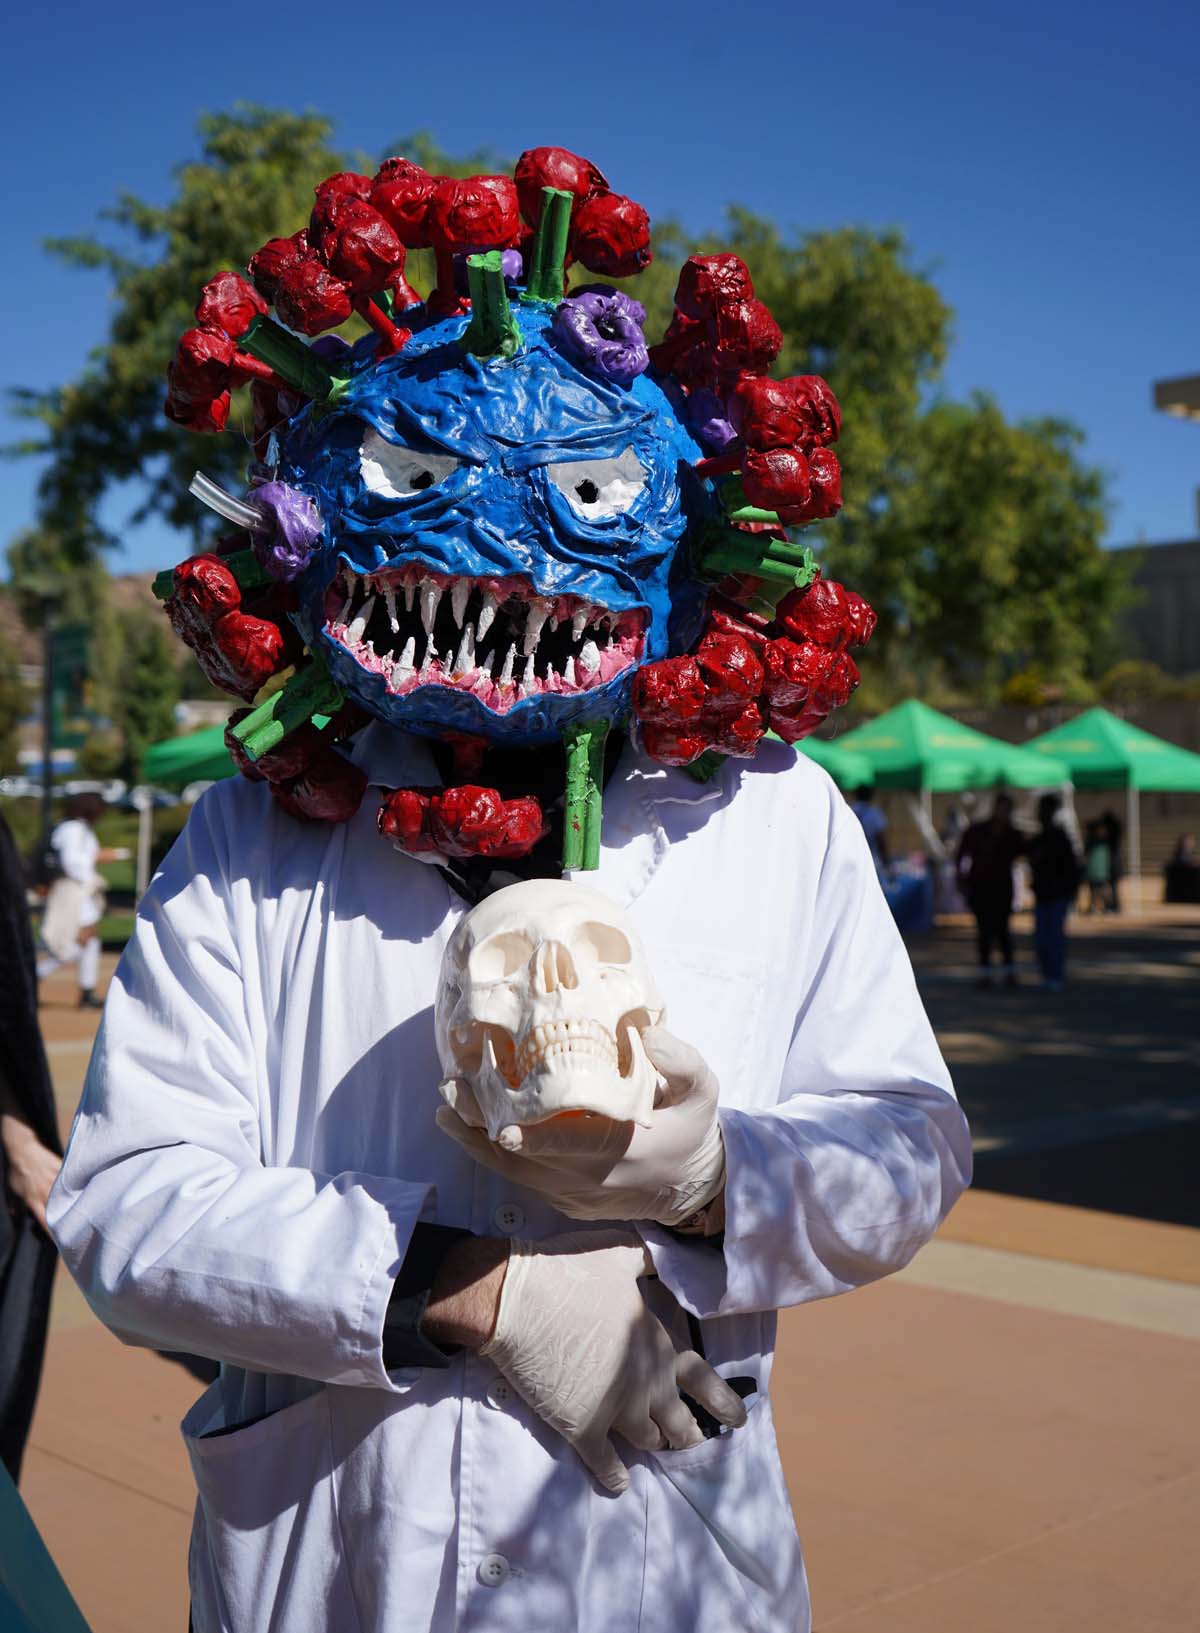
<point x="595" y="1168"/>
<point x="574" y="1337"/>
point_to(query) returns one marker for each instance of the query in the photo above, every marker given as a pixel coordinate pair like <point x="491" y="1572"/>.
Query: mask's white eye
<point x="400" y="473"/>
<point x="599" y="487"/>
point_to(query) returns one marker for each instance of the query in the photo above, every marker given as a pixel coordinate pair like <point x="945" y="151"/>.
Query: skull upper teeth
<point x="555" y="1040"/>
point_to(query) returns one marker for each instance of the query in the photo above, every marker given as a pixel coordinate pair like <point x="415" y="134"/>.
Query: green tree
<point x="254" y="179"/>
<point x="997" y="539"/>
<point x="13" y="705"/>
<point x="145" y="712"/>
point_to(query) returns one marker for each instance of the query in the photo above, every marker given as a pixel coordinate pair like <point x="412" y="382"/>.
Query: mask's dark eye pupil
<point x="423" y="479"/>
<point x="587" y="491"/>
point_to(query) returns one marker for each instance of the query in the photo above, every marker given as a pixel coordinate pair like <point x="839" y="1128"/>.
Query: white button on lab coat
<point x="256" y="1141"/>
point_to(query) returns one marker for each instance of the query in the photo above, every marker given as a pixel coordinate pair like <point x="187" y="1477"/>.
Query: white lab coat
<point x="256" y="1141"/>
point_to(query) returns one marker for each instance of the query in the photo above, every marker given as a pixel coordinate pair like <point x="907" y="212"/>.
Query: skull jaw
<point x="573" y="1081"/>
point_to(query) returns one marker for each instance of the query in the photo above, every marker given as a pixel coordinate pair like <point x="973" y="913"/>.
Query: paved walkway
<point x="1004" y="1437"/>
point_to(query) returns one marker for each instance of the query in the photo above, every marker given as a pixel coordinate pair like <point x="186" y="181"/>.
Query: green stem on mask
<point x="292" y="360"/>
<point x="706" y="767"/>
<point x="310" y="691"/>
<point x="243" y="564"/>
<point x="584" y="744"/>
<point x="492" y="330"/>
<point x="548" y="257"/>
<point x="782" y="563"/>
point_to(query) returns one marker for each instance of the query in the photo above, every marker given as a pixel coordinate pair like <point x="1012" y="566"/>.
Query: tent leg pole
<point x="144" y="839"/>
<point x="1133" y="823"/>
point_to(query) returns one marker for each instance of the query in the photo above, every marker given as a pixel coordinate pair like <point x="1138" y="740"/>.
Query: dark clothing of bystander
<point x="986" y="855"/>
<point x="1056" y="872"/>
<point x="27" y="1255"/>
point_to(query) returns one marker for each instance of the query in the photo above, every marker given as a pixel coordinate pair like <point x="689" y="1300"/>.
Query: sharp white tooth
<point x="389" y="601"/>
<point x="579" y="624"/>
<point x="485" y="667"/>
<point x="539" y="611"/>
<point x="486" y="614"/>
<point x="550" y="684"/>
<point x="430" y="657"/>
<point x="410" y="593"/>
<point x="465" y="660"/>
<point x="589" y="658"/>
<point x="510" y="663"/>
<point x="358" y="628"/>
<point x="609" y="644"/>
<point x="431" y="595"/>
<point x="528" y="677"/>
<point x="569" y="672"/>
<point x="408" y="656"/>
<point x="460" y="594"/>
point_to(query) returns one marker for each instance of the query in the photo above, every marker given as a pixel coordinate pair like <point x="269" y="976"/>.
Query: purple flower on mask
<point x="601" y="328"/>
<point x="286" y="550"/>
<point x="708" y="421"/>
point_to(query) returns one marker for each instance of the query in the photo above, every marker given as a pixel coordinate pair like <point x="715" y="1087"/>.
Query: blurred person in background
<point x="984" y="871"/>
<point x="1113" y="829"/>
<point x="30" y="1157"/>
<point x="75" y="902"/>
<point x="874" y="825"/>
<point x="1182" y="871"/>
<point x="1097" y="865"/>
<point x="1055" y="870"/>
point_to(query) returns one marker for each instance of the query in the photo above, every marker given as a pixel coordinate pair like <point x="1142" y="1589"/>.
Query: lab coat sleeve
<point x="177" y="1233"/>
<point x="867" y="1149"/>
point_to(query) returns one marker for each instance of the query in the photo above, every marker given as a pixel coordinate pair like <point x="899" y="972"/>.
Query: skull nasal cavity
<point x="555" y="967"/>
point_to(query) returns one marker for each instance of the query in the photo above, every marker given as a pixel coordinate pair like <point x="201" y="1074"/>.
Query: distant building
<point x="1164" y="623"/>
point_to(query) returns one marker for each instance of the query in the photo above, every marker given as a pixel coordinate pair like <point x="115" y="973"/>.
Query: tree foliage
<point x="977" y="540"/>
<point x="13" y="704"/>
<point x="145" y="709"/>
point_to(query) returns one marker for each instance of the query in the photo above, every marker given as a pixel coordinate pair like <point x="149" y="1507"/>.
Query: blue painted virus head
<point x="502" y="536"/>
<point x="500" y="517"/>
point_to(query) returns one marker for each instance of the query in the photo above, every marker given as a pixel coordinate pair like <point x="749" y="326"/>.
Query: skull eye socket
<point x="396" y="472"/>
<point x="602" y="944"/>
<point x="599" y="487"/>
<point x="500" y="956"/>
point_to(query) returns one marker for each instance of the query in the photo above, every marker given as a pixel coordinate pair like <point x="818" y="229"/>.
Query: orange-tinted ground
<point x="1004" y="1437"/>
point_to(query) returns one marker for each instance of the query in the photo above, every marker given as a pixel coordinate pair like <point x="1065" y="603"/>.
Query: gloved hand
<point x="595" y="1168"/>
<point x="574" y="1337"/>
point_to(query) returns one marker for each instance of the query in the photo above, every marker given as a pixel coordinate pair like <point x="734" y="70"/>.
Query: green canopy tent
<point x="848" y="770"/>
<point x="1104" y="751"/>
<point x="201" y="756"/>
<point x="913" y="746"/>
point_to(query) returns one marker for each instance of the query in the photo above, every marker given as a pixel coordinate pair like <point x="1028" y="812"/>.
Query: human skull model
<point x="543" y="996"/>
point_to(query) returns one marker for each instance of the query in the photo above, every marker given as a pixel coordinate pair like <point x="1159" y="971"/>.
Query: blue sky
<point x="1042" y="160"/>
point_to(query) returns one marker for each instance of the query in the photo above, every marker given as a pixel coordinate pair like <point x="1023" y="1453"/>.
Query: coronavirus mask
<point x="500" y="517"/>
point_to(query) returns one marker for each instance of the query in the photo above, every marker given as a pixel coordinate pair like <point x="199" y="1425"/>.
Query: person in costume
<point x="511" y="594"/>
<point x="75" y="900"/>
